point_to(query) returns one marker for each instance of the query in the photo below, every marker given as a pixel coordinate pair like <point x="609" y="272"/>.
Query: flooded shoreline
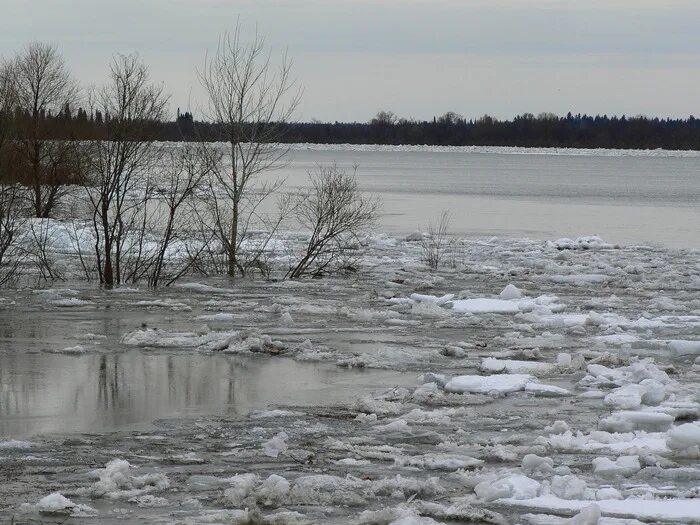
<point x="526" y="381"/>
<point x="66" y="370"/>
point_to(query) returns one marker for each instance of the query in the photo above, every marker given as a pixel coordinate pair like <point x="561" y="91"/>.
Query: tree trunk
<point x="38" y="212"/>
<point x="233" y="241"/>
<point x="36" y="181"/>
<point x="108" y="272"/>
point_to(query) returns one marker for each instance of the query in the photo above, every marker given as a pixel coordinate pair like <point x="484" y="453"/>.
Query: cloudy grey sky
<point x="418" y="58"/>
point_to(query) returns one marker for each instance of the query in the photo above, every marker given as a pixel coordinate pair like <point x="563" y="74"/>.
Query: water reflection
<point x="111" y="386"/>
<point x="96" y="392"/>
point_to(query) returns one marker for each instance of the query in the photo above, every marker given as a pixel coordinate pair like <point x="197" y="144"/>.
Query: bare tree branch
<point x="334" y="211"/>
<point x="43" y="86"/>
<point x="117" y="181"/>
<point x="250" y="101"/>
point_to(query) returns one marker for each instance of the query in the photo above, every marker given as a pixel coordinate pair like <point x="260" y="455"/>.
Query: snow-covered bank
<point x="501" y="150"/>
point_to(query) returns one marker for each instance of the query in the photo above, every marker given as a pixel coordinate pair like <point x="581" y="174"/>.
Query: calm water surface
<point x="622" y="199"/>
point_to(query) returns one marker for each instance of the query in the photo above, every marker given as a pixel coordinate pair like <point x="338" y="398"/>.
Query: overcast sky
<point x="418" y="58"/>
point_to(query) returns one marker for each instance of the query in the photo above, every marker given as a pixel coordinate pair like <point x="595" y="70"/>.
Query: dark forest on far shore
<point x="450" y="129"/>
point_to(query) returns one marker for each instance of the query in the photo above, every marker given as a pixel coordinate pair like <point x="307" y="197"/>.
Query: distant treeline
<point x="450" y="129"/>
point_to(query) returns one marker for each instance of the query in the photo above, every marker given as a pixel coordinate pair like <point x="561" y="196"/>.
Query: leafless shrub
<point x="117" y="181"/>
<point x="334" y="211"/>
<point x="436" y="243"/>
<point x="250" y="101"/>
<point x="153" y="220"/>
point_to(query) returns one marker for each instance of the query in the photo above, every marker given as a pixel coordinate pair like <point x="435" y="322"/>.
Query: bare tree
<point x="334" y="211"/>
<point x="436" y="242"/>
<point x="43" y="86"/>
<point x="249" y="100"/>
<point x="384" y="118"/>
<point x="118" y="177"/>
<point x="11" y="195"/>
